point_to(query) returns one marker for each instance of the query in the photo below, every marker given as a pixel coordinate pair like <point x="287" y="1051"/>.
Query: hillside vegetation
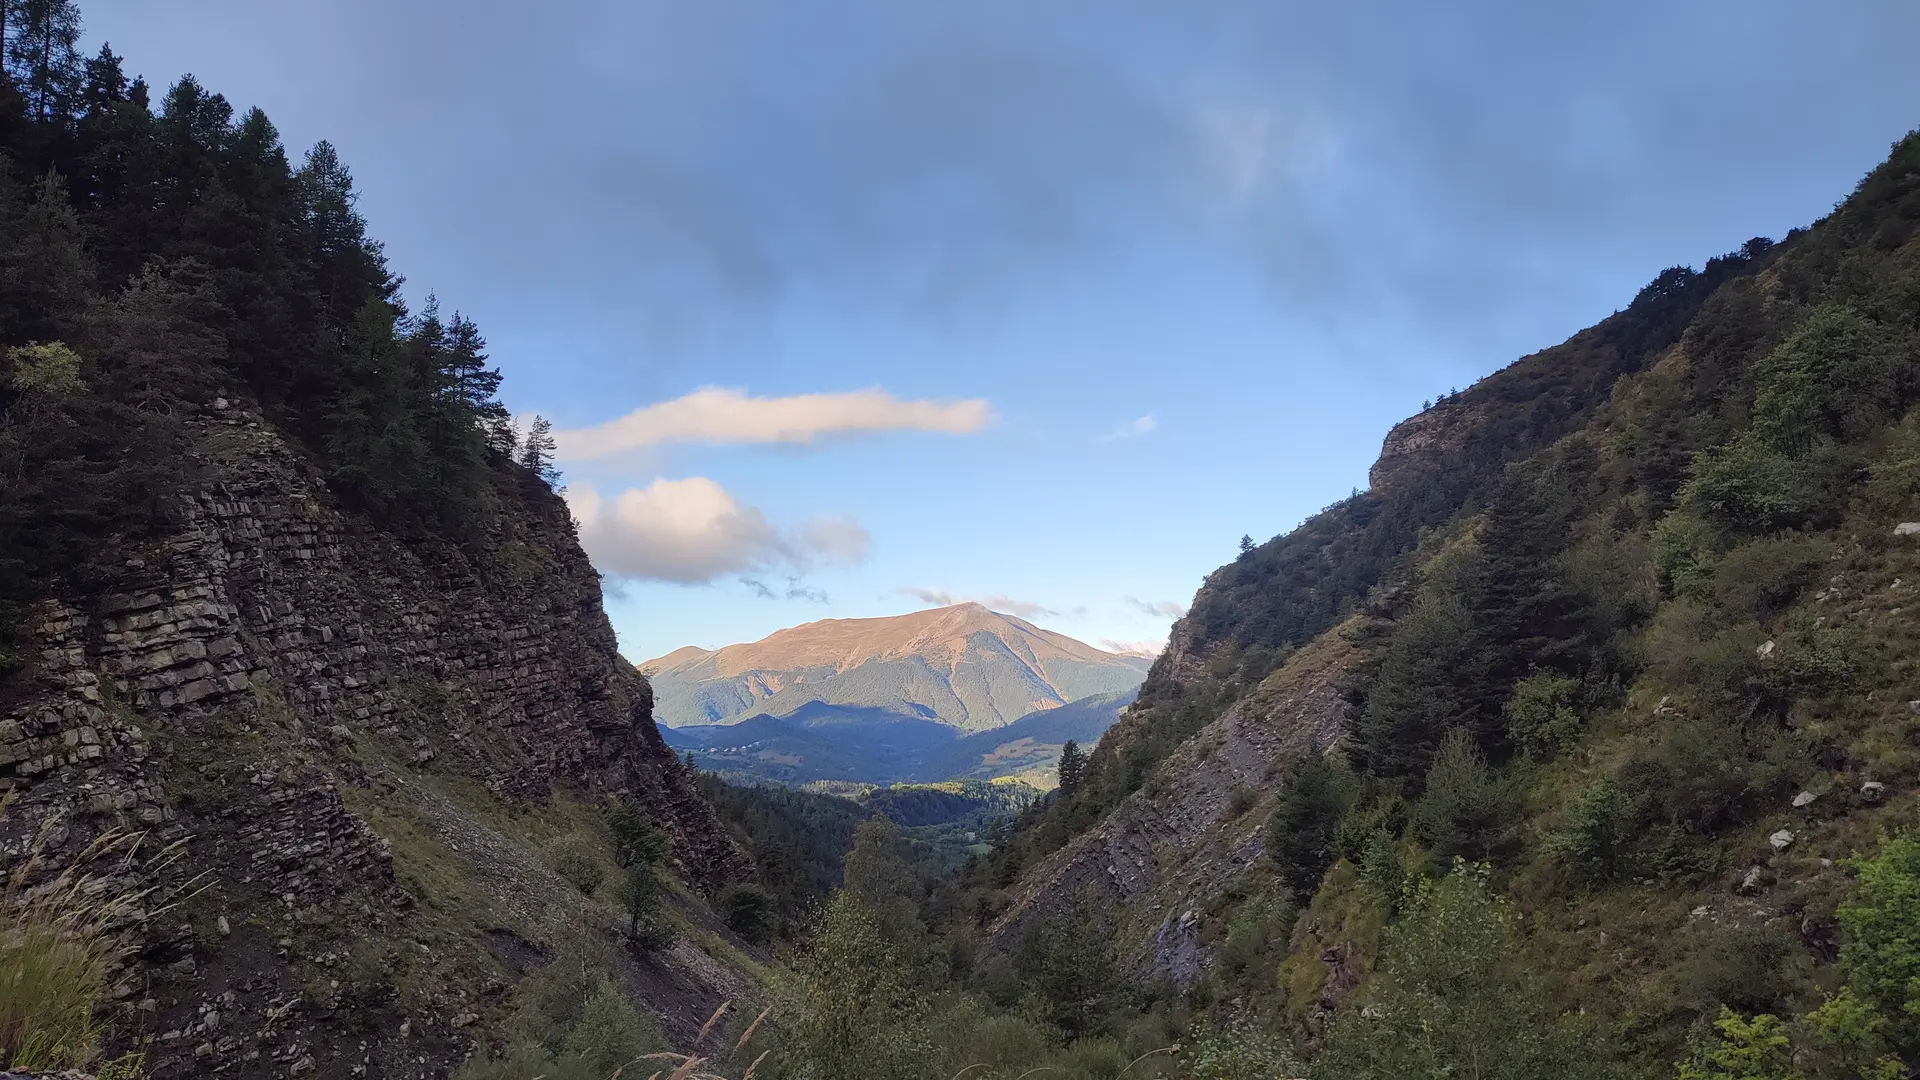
<point x="1581" y="744"/>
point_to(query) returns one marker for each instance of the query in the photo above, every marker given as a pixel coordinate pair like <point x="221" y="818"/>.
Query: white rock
<point x="1907" y="528"/>
<point x="1764" y="651"/>
<point x="1803" y="799"/>
<point x="1701" y="912"/>
<point x="1781" y="840"/>
<point x="1873" y="791"/>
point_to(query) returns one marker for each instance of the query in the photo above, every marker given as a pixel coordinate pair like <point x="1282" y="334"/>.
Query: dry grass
<point x="60" y="942"/>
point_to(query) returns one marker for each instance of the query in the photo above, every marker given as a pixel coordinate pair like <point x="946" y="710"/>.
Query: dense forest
<point x="161" y="255"/>
<point x="1626" y="784"/>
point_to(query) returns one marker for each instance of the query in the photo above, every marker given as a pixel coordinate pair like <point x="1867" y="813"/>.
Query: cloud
<point x="1007" y="605"/>
<point x="1161" y="609"/>
<point x="795" y="590"/>
<point x="716" y="415"/>
<point x="1149" y="649"/>
<point x="1132" y="429"/>
<point x="693" y="531"/>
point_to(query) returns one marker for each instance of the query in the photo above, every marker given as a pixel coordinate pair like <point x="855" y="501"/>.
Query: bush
<point x="748" y="911"/>
<point x="1685" y="549"/>
<point x="1467" y="808"/>
<point x="1759" y="578"/>
<point x="576" y="861"/>
<point x="1749" y="487"/>
<point x="1540" y="716"/>
<point x="1239" y="1054"/>
<point x="1601" y="825"/>
<point x="634" y="837"/>
<point x="1881" y="926"/>
<point x="641" y="893"/>
<point x="1300" y="835"/>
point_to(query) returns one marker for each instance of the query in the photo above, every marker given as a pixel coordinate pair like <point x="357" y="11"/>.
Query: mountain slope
<point x="1627" y="621"/>
<point x="963" y="666"/>
<point x="874" y="746"/>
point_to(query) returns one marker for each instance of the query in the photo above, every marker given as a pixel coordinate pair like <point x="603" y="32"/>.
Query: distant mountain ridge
<point x="873" y="746"/>
<point x="963" y="667"/>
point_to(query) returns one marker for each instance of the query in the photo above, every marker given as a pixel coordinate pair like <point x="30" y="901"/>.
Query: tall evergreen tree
<point x="42" y="55"/>
<point x="1073" y="768"/>
<point x="536" y="451"/>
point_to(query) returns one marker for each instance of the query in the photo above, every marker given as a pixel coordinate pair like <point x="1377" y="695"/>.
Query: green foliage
<point x="46" y="368"/>
<point x="1757" y="1049"/>
<point x="1066" y="965"/>
<point x="1881" y="927"/>
<point x="1685" y="550"/>
<point x="1468" y="808"/>
<point x="577" y="862"/>
<point x="1316" y="794"/>
<point x="1540" y="715"/>
<point x="570" y="1023"/>
<point x="1072" y="768"/>
<point x="1759" y="578"/>
<point x="1450" y="999"/>
<point x="1602" y="824"/>
<point x="795" y="838"/>
<point x="864" y="1019"/>
<point x="642" y="894"/>
<point x="1239" y="1054"/>
<point x="748" y="911"/>
<point x="635" y="837"/>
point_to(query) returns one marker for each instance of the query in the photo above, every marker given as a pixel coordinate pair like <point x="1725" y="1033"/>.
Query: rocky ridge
<point x="239" y="685"/>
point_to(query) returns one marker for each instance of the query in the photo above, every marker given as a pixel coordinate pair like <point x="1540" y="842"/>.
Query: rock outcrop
<point x="238" y="686"/>
<point x="1197" y="825"/>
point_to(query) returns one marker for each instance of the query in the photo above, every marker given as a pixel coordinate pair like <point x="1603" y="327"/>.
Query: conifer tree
<point x="1073" y="768"/>
<point x="42" y="55"/>
<point x="536" y="451"/>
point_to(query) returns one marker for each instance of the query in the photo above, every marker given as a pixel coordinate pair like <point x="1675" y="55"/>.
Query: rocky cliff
<point x="308" y="720"/>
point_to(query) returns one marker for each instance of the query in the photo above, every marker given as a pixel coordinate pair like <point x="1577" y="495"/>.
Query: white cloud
<point x="692" y="531"/>
<point x="716" y="415"/>
<point x="1163" y="609"/>
<point x="1007" y="605"/>
<point x="1133" y="429"/>
<point x="1149" y="649"/>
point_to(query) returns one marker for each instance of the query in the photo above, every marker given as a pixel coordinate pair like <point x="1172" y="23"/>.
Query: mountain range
<point x="874" y="746"/>
<point x="962" y="667"/>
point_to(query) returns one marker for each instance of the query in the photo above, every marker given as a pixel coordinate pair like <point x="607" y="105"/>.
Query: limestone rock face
<point x="239" y="684"/>
<point x="1195" y="827"/>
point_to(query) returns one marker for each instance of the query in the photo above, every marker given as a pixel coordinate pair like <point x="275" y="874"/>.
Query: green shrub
<point x="1685" y="549"/>
<point x="1239" y="1054"/>
<point x="575" y="860"/>
<point x="1840" y="376"/>
<point x="748" y="911"/>
<point x="1540" y="715"/>
<point x="1601" y="825"/>
<point x="1314" y="797"/>
<point x="1358" y="827"/>
<point x="1750" y="487"/>
<point x="635" y="838"/>
<point x="1762" y="576"/>
<point x="1880" y="923"/>
<point x="1468" y="809"/>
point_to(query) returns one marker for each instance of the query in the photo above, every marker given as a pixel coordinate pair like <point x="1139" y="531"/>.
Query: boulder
<point x="1872" y="791"/>
<point x="1803" y="799"/>
<point x="1907" y="528"/>
<point x="1781" y="840"/>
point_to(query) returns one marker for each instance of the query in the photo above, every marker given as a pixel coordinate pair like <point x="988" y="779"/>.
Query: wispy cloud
<point x="1133" y="429"/>
<point x="1147" y="649"/>
<point x="717" y="416"/>
<point x="693" y="531"/>
<point x="1160" y="609"/>
<point x="795" y="590"/>
<point x="1007" y="605"/>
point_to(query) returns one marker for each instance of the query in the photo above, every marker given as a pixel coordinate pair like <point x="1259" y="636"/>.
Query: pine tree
<point x="42" y="55"/>
<point x="536" y="451"/>
<point x="1073" y="768"/>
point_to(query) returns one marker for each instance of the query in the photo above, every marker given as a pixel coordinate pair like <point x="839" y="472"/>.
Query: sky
<point x="851" y="307"/>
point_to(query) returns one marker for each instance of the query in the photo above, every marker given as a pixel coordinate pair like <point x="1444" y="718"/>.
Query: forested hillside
<point x="317" y="755"/>
<point x="1579" y="745"/>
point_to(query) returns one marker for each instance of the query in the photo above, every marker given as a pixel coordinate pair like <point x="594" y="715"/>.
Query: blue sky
<point x="1040" y="303"/>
